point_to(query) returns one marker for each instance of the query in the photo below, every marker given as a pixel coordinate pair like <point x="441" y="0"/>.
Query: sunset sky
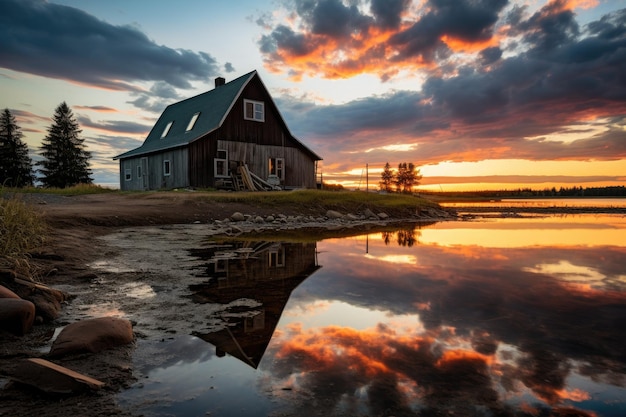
<point x="480" y="94"/>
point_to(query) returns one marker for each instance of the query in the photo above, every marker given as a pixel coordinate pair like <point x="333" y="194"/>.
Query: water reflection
<point x="265" y="272"/>
<point x="412" y="322"/>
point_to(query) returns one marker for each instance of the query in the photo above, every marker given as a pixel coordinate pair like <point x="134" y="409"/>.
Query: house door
<point x="145" y="184"/>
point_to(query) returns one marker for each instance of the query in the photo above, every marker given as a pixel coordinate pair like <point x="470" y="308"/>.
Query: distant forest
<point x="576" y="192"/>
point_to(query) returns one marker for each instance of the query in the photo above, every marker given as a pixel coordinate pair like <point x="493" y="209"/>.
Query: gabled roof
<point x="213" y="107"/>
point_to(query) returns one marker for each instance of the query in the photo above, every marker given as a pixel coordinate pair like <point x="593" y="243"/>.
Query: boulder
<point x="270" y="218"/>
<point x="383" y="216"/>
<point x="369" y="214"/>
<point x="52" y="378"/>
<point x="92" y="336"/>
<point x="7" y="293"/>
<point x="237" y="217"/>
<point x="332" y="214"/>
<point x="259" y="219"/>
<point x="16" y="315"/>
<point x="352" y="217"/>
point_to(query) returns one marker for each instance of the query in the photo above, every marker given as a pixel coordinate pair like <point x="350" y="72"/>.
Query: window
<point x="276" y="258"/>
<point x="192" y="122"/>
<point x="138" y="171"/>
<point x="128" y="174"/>
<point x="166" y="130"/>
<point x="166" y="167"/>
<point x="277" y="167"/>
<point x="254" y="110"/>
<point x="220" y="164"/>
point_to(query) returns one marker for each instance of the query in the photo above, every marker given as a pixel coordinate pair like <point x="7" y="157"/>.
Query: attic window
<point x="254" y="110"/>
<point x="192" y="122"/>
<point x="166" y="130"/>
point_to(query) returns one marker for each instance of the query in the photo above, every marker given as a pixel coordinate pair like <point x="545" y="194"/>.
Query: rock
<point x="16" y="315"/>
<point x="92" y="336"/>
<point x="7" y="293"/>
<point x="52" y="378"/>
<point x="237" y="217"/>
<point x="332" y="214"/>
<point x="270" y="218"/>
<point x="383" y="216"/>
<point x="47" y="303"/>
<point x="369" y="214"/>
<point x="351" y="216"/>
<point x="259" y="219"/>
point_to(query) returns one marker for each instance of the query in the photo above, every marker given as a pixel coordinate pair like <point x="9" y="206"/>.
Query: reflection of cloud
<point x="491" y="297"/>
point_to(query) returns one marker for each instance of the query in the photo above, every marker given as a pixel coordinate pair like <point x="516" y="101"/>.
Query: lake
<point x="516" y="316"/>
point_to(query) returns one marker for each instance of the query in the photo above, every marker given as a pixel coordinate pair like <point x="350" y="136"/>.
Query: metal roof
<point x="213" y="106"/>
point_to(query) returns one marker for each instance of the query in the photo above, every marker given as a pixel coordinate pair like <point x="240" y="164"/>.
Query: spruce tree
<point x="387" y="178"/>
<point x="65" y="161"/>
<point x="16" y="167"/>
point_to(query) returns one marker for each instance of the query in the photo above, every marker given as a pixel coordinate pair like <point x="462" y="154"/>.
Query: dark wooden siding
<point x="252" y="142"/>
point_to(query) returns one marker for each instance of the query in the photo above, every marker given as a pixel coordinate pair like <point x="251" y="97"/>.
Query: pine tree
<point x="387" y="178"/>
<point x="16" y="167"/>
<point x="65" y="161"/>
<point x="408" y="176"/>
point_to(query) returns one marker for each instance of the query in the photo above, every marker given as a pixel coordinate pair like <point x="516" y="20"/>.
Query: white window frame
<point x="276" y="167"/>
<point x="167" y="129"/>
<point x="224" y="160"/>
<point x="167" y="168"/>
<point x="192" y="121"/>
<point x="128" y="174"/>
<point x="258" y="110"/>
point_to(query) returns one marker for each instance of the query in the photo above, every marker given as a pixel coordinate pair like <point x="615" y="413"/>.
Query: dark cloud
<point x="117" y="126"/>
<point x="483" y="112"/>
<point x="66" y="43"/>
<point x="388" y="13"/>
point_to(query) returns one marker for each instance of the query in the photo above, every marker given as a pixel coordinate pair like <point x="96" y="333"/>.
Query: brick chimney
<point x="219" y="81"/>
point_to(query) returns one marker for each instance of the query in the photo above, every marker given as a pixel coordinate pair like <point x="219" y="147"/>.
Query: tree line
<point x="403" y="180"/>
<point x="575" y="191"/>
<point x="64" y="159"/>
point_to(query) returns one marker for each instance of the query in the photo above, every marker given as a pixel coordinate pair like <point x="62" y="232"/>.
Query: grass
<point x="80" y="189"/>
<point x="346" y="201"/>
<point x="21" y="228"/>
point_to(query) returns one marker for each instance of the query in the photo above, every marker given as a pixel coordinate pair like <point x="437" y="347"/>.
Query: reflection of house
<point x="231" y="136"/>
<point x="266" y="272"/>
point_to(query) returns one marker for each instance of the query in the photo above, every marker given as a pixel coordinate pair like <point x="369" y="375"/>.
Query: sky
<point x="479" y="94"/>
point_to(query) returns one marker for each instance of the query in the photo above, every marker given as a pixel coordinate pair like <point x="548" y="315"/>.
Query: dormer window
<point x="192" y="122"/>
<point x="166" y="130"/>
<point x="254" y="110"/>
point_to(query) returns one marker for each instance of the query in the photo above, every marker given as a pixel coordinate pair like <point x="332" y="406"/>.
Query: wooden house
<point x="230" y="137"/>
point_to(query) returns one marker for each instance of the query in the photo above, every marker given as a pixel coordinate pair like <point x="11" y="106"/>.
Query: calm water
<point x="545" y="202"/>
<point x="519" y="317"/>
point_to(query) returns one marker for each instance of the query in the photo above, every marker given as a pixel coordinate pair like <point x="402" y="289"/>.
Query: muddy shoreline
<point x="89" y="229"/>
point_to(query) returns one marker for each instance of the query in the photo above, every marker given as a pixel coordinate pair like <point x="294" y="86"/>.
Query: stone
<point x="7" y="293"/>
<point x="333" y="214"/>
<point x="383" y="216"/>
<point x="237" y="217"/>
<point x="351" y="216"/>
<point x="369" y="214"/>
<point x="16" y="315"/>
<point x="52" y="378"/>
<point x="92" y="336"/>
<point x="270" y="218"/>
<point x="259" y="219"/>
